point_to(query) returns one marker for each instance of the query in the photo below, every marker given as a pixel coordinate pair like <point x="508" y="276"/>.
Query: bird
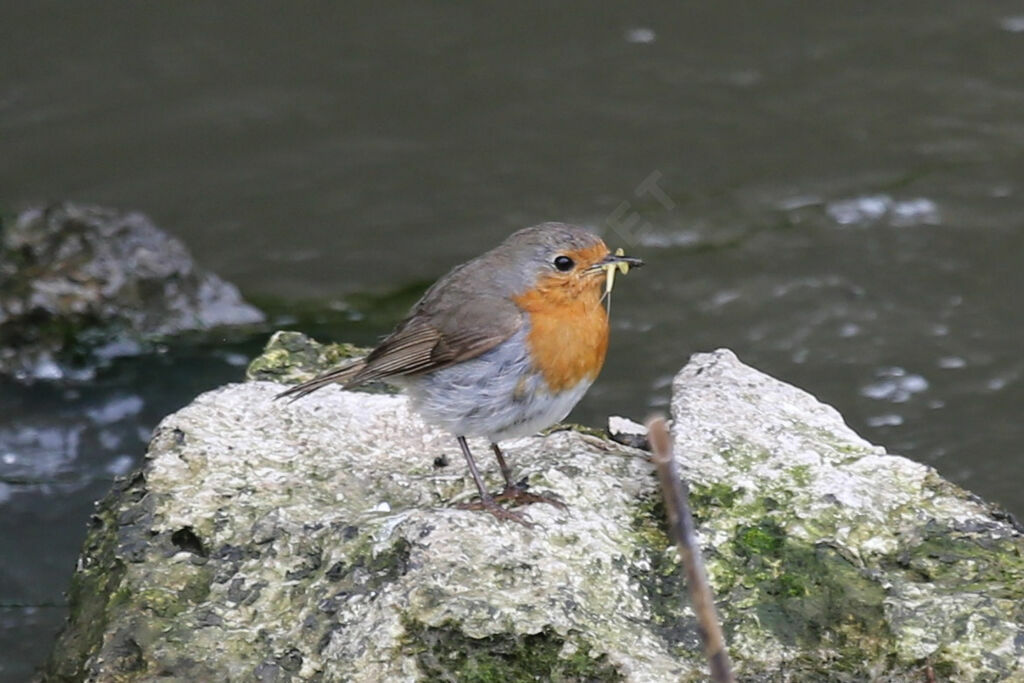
<point x="502" y="346"/>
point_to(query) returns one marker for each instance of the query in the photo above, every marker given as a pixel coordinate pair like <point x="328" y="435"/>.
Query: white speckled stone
<point x="317" y="541"/>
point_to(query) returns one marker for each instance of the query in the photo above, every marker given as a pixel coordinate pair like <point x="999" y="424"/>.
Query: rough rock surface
<point x="831" y="552"/>
<point x="316" y="541"/>
<point x="80" y="284"/>
<point x="291" y="357"/>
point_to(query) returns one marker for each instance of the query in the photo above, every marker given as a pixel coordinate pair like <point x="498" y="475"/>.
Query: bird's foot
<point x="517" y="494"/>
<point x="490" y="505"/>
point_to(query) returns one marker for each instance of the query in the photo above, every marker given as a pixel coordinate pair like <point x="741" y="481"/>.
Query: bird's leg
<point x="505" y="471"/>
<point x="487" y="501"/>
<point x="516" y="491"/>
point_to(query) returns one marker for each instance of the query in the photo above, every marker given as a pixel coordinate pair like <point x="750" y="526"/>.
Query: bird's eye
<point x="564" y="263"/>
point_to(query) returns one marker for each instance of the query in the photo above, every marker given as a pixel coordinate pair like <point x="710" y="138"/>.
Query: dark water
<point x="834" y="191"/>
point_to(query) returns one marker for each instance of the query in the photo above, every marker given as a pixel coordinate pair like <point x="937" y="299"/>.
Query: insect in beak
<point x="617" y="262"/>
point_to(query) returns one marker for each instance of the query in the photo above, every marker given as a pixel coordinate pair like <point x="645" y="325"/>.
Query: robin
<point x="502" y="346"/>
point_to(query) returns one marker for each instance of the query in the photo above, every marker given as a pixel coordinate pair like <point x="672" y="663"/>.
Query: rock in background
<point x="316" y="541"/>
<point x="82" y="284"/>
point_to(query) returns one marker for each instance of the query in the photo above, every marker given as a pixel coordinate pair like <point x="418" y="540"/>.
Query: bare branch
<point x="682" y="531"/>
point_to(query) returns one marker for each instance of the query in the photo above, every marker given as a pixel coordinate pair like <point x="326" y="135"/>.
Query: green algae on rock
<point x="317" y="541"/>
<point x="444" y="653"/>
<point x="292" y="357"/>
<point x="833" y="556"/>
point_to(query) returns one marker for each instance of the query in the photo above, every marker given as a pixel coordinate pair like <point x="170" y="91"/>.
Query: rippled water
<point x="833" y="192"/>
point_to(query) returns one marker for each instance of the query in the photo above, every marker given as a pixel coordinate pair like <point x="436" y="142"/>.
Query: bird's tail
<point x="343" y="375"/>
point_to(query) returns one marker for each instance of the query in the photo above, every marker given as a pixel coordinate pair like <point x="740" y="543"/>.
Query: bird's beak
<point x="615" y="259"/>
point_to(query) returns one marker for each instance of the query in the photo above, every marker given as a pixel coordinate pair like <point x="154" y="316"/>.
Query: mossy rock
<point x="292" y="357"/>
<point x="322" y="541"/>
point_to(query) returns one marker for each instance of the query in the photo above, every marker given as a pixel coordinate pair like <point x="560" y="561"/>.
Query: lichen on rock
<point x="831" y="552"/>
<point x="291" y="357"/>
<point x="318" y="541"/>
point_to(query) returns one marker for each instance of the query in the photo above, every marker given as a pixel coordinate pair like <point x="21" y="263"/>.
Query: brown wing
<point x="463" y="315"/>
<point x="457" y="331"/>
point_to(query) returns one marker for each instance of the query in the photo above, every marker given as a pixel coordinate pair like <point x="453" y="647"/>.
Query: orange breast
<point x="568" y="331"/>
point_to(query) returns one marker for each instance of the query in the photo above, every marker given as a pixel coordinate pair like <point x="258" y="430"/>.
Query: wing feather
<point x="424" y="343"/>
<point x="449" y="324"/>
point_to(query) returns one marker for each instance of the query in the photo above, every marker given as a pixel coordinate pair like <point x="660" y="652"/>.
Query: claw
<point x="489" y="505"/>
<point x="518" y="495"/>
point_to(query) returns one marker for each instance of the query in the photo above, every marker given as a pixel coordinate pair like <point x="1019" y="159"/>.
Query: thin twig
<point x="682" y="531"/>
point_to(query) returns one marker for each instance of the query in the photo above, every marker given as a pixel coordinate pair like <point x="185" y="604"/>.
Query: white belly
<point x="496" y="395"/>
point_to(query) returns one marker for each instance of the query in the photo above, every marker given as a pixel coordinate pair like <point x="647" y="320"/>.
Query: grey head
<point x="528" y="254"/>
